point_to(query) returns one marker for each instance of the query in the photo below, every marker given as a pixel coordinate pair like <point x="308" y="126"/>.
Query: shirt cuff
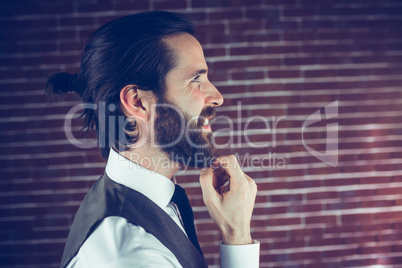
<point x="240" y="256"/>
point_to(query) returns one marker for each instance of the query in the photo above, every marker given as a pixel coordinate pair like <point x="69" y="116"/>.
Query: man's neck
<point x="152" y="159"/>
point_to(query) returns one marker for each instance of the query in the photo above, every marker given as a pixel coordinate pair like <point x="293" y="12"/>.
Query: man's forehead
<point x="188" y="53"/>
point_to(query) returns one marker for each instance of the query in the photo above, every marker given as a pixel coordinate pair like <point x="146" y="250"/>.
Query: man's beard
<point x="194" y="148"/>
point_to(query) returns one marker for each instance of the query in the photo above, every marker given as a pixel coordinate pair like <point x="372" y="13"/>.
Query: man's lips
<point x="206" y="124"/>
<point x="206" y="127"/>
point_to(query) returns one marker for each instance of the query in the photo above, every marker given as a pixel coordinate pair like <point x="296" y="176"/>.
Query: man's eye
<point x="195" y="79"/>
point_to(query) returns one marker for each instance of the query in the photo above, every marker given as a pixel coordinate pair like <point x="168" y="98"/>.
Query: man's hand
<point x="229" y="195"/>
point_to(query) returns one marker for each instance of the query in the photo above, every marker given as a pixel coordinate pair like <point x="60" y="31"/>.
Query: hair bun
<point x="61" y="83"/>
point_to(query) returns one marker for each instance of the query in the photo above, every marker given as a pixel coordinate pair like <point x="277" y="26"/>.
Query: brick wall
<point x="277" y="62"/>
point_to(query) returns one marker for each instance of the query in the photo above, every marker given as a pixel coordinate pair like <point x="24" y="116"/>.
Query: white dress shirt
<point x="118" y="243"/>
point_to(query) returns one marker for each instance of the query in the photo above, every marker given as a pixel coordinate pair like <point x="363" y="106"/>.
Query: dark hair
<point x="128" y="50"/>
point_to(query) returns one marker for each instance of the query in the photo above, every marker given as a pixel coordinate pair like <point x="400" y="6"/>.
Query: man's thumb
<point x="206" y="181"/>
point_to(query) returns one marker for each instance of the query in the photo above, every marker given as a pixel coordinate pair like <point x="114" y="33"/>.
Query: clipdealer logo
<point x="330" y="156"/>
<point x="328" y="112"/>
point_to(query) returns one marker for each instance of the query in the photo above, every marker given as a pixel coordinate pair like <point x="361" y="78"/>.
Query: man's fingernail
<point x="204" y="169"/>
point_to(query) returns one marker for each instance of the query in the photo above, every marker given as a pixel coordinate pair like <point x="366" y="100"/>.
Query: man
<point x="147" y="77"/>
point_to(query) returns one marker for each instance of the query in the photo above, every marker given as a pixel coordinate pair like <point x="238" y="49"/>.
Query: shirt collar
<point x="155" y="186"/>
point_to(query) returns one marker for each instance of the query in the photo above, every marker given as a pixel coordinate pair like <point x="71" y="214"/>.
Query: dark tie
<point x="181" y="200"/>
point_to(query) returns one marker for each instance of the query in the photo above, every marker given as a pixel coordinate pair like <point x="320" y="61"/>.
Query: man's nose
<point x="213" y="96"/>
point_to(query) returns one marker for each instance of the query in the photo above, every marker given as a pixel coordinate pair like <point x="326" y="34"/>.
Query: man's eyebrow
<point x="198" y="72"/>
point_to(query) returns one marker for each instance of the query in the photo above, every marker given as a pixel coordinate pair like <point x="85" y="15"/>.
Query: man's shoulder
<point x="114" y="243"/>
<point x="116" y="240"/>
<point x="104" y="199"/>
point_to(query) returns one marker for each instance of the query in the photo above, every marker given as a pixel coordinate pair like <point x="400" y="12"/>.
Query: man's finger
<point x="206" y="181"/>
<point x="232" y="167"/>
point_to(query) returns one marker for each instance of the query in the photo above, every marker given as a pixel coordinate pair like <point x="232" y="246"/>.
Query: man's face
<point x="182" y="121"/>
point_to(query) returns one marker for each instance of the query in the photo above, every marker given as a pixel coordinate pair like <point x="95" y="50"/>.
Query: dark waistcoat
<point x="107" y="198"/>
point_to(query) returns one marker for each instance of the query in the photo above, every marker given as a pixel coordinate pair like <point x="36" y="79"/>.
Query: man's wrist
<point x="233" y="237"/>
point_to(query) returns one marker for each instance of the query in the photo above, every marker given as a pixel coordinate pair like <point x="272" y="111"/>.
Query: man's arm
<point x="230" y="207"/>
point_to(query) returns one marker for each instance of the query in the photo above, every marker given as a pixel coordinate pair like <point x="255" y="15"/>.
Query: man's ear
<point x="136" y="102"/>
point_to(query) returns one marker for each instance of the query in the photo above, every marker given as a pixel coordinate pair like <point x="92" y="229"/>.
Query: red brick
<point x="394" y="215"/>
<point x="220" y="38"/>
<point x="322" y="195"/>
<point x="357" y="193"/>
<point x="361" y="239"/>
<point x="209" y="28"/>
<point x="340" y="182"/>
<point x="389" y="191"/>
<point x="369" y="226"/>
<point x="387" y="167"/>
<point x="280" y="257"/>
<point x="342" y="205"/>
<point x="214" y="52"/>
<point x="305" y="208"/>
<point x="282" y="49"/>
<point x="362" y="262"/>
<point x="284" y="221"/>
<point x="377" y="203"/>
<point x="262" y="13"/>
<point x="237" y="27"/>
<point x="321" y="219"/>
<point x="170" y="4"/>
<point x="304" y="184"/>
<point x="288" y="244"/>
<point x="299" y="12"/>
<point x="212" y="4"/>
<point x="376" y="249"/>
<point x="270" y="234"/>
<point x="247" y="75"/>
<point x="319" y="242"/>
<point x="374" y="180"/>
<point x="286" y="197"/>
<point x="246" y="50"/>
<point x="221" y="15"/>
<point x="396" y="236"/>
<point x="280" y="2"/>
<point x="340" y="252"/>
<point x="299" y="36"/>
<point x="288" y="173"/>
<point x="300" y="61"/>
<point x="362" y="217"/>
<point x="344" y="228"/>
<point x="319" y="73"/>
<point x="284" y="74"/>
<point x="77" y="21"/>
<point x="305" y="233"/>
<point x="270" y="210"/>
<point x="271" y="185"/>
<point x="210" y="249"/>
<point x="264" y="87"/>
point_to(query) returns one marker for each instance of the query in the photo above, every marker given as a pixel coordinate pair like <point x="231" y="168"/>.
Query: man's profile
<point x="147" y="76"/>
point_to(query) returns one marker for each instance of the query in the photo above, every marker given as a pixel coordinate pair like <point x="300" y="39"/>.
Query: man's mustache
<point x="208" y="112"/>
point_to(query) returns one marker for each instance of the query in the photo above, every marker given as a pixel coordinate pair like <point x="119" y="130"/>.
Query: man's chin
<point x="202" y="158"/>
<point x="198" y="163"/>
